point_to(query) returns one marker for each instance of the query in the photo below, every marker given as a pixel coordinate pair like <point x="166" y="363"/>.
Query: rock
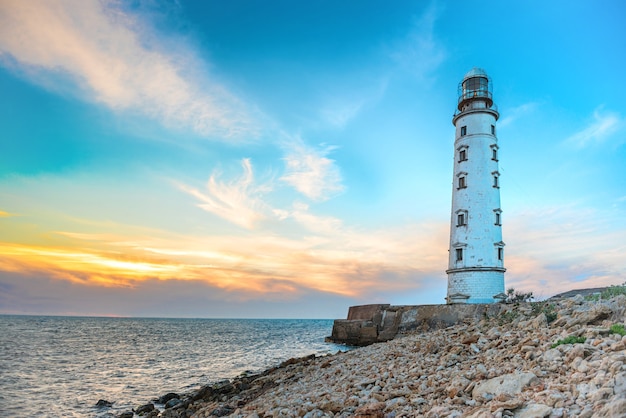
<point x="104" y="404"/>
<point x="165" y="398"/>
<point x="470" y="339"/>
<point x="127" y="414"/>
<point x="508" y="384"/>
<point x="620" y="384"/>
<point x="144" y="408"/>
<point x="552" y="355"/>
<point x="222" y="411"/>
<point x="613" y="409"/>
<point x="536" y="410"/>
<point x="172" y="403"/>
<point x="372" y="410"/>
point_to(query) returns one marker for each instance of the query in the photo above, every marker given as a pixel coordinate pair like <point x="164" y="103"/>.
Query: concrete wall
<point x="368" y="324"/>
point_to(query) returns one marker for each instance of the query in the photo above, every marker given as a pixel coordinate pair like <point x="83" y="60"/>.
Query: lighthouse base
<point x="475" y="285"/>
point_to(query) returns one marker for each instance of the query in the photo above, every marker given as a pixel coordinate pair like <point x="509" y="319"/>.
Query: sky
<point x="284" y="159"/>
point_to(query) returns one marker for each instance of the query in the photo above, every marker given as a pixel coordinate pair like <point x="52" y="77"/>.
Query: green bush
<point x="613" y="291"/>
<point x="572" y="339"/>
<point x="512" y="296"/>
<point x="608" y="293"/>
<point x="546" y="308"/>
<point x="550" y="312"/>
<point x="618" y="329"/>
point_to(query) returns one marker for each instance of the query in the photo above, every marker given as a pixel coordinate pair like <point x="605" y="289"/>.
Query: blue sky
<point x="290" y="159"/>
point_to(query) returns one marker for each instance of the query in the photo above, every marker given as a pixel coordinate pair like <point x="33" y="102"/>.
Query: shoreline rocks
<point x="515" y="364"/>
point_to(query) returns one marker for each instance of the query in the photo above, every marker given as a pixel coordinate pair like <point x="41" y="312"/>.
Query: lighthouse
<point x="476" y="254"/>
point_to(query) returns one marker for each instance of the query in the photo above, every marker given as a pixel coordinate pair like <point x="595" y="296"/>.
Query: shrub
<point x="613" y="291"/>
<point x="513" y="296"/>
<point x="608" y="293"/>
<point x="572" y="339"/>
<point x="550" y="312"/>
<point x="618" y="329"/>
<point x="546" y="308"/>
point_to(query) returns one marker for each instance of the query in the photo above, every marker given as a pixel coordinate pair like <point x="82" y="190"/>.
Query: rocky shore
<point x="558" y="358"/>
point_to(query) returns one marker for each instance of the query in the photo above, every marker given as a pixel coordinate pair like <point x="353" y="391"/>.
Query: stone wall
<point x="368" y="324"/>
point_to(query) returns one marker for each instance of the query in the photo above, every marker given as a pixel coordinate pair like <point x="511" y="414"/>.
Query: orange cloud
<point x="344" y="262"/>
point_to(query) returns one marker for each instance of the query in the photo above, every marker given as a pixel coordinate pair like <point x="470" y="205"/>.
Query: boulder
<point x="614" y="409"/>
<point x="508" y="384"/>
<point x="104" y="404"/>
<point x="167" y="397"/>
<point x="144" y="409"/>
<point x="127" y="414"/>
<point x="172" y="403"/>
<point x="537" y="410"/>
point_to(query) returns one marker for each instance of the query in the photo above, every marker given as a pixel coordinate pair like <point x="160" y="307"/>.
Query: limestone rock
<point x="533" y="411"/>
<point x="508" y="384"/>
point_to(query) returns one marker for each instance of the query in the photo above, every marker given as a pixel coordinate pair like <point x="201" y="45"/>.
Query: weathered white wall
<point x="480" y="274"/>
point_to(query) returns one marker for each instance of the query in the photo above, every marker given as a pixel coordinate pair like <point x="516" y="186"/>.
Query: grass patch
<point x="608" y="293"/>
<point x="547" y="308"/>
<point x="618" y="329"/>
<point x="572" y="339"/>
<point x="507" y="317"/>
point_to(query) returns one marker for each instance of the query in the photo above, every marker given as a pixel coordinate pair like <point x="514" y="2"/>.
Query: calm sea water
<point x="62" y="366"/>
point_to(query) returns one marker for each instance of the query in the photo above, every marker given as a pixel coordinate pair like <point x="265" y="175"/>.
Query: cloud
<point x="114" y="58"/>
<point x="238" y="201"/>
<point x="4" y="214"/>
<point x="517" y="112"/>
<point x="421" y="53"/>
<point x="344" y="106"/>
<point x="555" y="249"/>
<point x="604" y="125"/>
<point x="310" y="172"/>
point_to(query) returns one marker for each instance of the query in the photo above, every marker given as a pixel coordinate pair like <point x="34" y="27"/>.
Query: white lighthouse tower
<point x="476" y="260"/>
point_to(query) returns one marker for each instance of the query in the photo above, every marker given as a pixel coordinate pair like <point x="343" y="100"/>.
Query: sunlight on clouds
<point x="310" y="172"/>
<point x="604" y="125"/>
<point x="338" y="261"/>
<point x="79" y="265"/>
<point x="237" y="201"/>
<point x="110" y="55"/>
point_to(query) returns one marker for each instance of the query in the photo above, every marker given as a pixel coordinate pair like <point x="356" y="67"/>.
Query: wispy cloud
<point x="421" y="53"/>
<point x="310" y="171"/>
<point x="603" y="125"/>
<point x="555" y="249"/>
<point x="4" y="214"/>
<point x="516" y="113"/>
<point x="346" y="104"/>
<point x="238" y="201"/>
<point x="114" y="58"/>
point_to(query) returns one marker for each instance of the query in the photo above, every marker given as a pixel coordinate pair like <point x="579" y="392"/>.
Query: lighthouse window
<point x="496" y="182"/>
<point x="493" y="129"/>
<point x="498" y="218"/>
<point x="463" y="130"/>
<point x="494" y="152"/>
<point x="460" y="219"/>
<point x="459" y="254"/>
<point x="500" y="253"/>
<point x="462" y="155"/>
<point x="462" y="184"/>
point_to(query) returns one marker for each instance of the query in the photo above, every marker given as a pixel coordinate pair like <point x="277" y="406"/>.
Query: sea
<point x="62" y="366"/>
